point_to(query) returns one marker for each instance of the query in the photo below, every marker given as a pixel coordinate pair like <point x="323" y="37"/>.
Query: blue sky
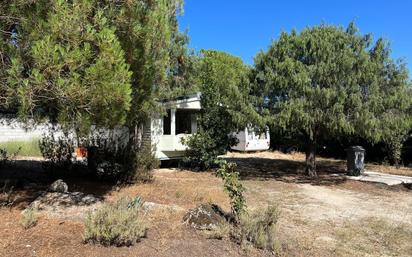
<point x="243" y="27"/>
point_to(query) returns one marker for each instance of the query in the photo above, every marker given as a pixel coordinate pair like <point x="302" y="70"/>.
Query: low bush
<point x="259" y="228"/>
<point x="120" y="223"/>
<point x="141" y="165"/>
<point x="6" y="157"/>
<point x="57" y="151"/>
<point x="28" y="218"/>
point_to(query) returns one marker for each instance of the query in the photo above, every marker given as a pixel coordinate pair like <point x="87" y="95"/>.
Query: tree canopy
<point x="327" y="81"/>
<point x="226" y="106"/>
<point x="88" y="61"/>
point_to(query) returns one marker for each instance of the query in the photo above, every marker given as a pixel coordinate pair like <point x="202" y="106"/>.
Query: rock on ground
<point x="61" y="200"/>
<point x="59" y="186"/>
<point x="205" y="217"/>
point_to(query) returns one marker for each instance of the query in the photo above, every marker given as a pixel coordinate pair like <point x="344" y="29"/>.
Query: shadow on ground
<point x="290" y="171"/>
<point x="25" y="180"/>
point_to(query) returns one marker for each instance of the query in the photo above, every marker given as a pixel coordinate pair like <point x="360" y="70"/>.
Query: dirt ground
<point x="327" y="216"/>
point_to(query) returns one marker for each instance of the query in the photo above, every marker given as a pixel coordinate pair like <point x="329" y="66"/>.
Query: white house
<point x="164" y="132"/>
<point x="252" y="139"/>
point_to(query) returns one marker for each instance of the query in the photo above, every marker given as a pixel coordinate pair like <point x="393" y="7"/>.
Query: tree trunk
<point x="311" y="158"/>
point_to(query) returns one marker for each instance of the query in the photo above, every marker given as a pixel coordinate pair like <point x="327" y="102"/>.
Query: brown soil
<point x="320" y="217"/>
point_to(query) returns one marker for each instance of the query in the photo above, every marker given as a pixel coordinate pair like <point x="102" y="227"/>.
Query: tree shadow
<point x="290" y="171"/>
<point x="25" y="180"/>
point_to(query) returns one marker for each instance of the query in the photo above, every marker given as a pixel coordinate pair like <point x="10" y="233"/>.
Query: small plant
<point x="227" y="172"/>
<point x="222" y="230"/>
<point x="259" y="228"/>
<point x="6" y="157"/>
<point x="120" y="223"/>
<point x="28" y="218"/>
<point x="8" y="193"/>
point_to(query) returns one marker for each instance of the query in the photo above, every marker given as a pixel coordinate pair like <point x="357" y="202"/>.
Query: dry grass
<point x="260" y="228"/>
<point x="340" y="218"/>
<point x="182" y="188"/>
<point x="374" y="237"/>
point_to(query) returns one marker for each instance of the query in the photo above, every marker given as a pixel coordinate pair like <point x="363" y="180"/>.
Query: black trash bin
<point x="355" y="160"/>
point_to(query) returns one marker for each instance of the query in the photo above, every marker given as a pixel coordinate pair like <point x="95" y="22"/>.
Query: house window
<point x="183" y="122"/>
<point x="167" y="123"/>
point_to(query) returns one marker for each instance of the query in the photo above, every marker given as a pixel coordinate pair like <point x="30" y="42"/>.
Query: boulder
<point x="59" y="186"/>
<point x="56" y="200"/>
<point x="205" y="217"/>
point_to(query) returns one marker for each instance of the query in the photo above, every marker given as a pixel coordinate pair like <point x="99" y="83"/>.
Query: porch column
<point x="173" y="122"/>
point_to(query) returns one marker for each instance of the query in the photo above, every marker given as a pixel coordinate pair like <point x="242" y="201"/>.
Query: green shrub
<point x="259" y="228"/>
<point x="6" y="157"/>
<point x="227" y="172"/>
<point x="143" y="162"/>
<point x="57" y="151"/>
<point x="28" y="218"/>
<point x="120" y="223"/>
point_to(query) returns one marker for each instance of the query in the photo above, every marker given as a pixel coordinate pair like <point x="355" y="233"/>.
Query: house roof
<point x="191" y="101"/>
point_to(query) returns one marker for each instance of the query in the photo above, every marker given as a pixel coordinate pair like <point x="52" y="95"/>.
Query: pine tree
<point x="327" y="81"/>
<point x="70" y="67"/>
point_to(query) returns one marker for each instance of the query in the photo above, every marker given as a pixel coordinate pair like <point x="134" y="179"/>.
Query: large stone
<point x="55" y="200"/>
<point x="59" y="186"/>
<point x="67" y="206"/>
<point x="205" y="217"/>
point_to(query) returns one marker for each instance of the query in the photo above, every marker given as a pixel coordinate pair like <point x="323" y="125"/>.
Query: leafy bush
<point x="259" y="228"/>
<point x="120" y="223"/>
<point x="204" y="147"/>
<point x="112" y="157"/>
<point x="28" y="218"/>
<point x="227" y="171"/>
<point x="6" y="157"/>
<point x="57" y="151"/>
<point x="143" y="162"/>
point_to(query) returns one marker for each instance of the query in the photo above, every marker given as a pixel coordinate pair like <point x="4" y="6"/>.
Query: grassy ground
<point x="22" y="148"/>
<point x="329" y="216"/>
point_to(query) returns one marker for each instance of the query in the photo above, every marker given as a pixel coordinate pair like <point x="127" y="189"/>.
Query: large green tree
<point x="72" y="68"/>
<point x="390" y="102"/>
<point x="137" y="43"/>
<point x="226" y="107"/>
<point x="327" y="81"/>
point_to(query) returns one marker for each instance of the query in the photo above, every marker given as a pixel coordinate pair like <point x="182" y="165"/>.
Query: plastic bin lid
<point x="355" y="148"/>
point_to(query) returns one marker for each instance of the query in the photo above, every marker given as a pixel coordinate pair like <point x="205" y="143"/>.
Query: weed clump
<point x="28" y="218"/>
<point x="120" y="223"/>
<point x="260" y="228"/>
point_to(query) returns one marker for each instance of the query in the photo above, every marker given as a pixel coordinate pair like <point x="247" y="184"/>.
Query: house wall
<point x="12" y="130"/>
